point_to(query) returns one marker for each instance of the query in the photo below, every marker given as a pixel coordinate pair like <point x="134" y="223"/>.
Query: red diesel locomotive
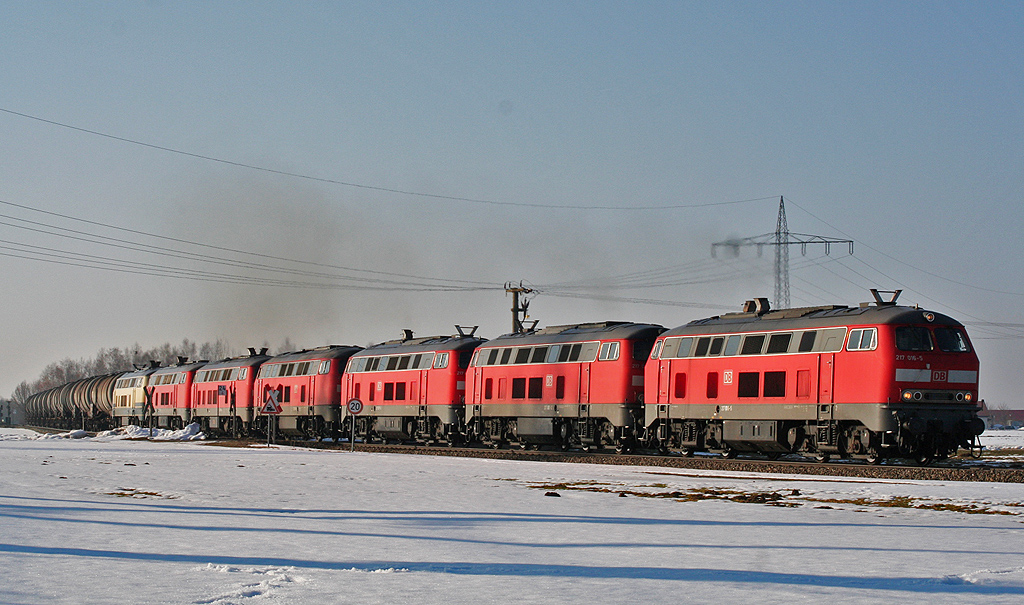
<point x="562" y="385"/>
<point x="411" y="389"/>
<point x="307" y="387"/>
<point x="868" y="382"/>
<point x="222" y="394"/>
<point x="169" y="392"/>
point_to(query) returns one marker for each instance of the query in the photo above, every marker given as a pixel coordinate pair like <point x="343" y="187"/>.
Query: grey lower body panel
<point x="618" y="414"/>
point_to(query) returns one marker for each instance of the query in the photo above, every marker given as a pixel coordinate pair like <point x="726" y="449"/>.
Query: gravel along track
<point x="956" y="469"/>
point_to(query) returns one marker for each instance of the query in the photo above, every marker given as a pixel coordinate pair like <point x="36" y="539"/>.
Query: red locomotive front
<point x="871" y="381"/>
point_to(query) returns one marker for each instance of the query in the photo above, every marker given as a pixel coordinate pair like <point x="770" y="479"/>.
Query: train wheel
<point x="821" y="457"/>
<point x="873" y="456"/>
<point x="729" y="453"/>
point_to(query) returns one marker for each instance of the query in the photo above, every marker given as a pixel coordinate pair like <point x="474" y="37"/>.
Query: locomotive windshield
<point x="919" y="338"/>
<point x="951" y="340"/>
<point x="913" y="338"/>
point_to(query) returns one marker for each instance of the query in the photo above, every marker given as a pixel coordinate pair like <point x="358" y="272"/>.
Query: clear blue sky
<point x="896" y="124"/>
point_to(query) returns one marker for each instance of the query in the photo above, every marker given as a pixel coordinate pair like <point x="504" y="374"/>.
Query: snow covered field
<point x="108" y="520"/>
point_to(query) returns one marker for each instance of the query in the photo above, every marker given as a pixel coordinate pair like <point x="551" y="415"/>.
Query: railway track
<point x="954" y="469"/>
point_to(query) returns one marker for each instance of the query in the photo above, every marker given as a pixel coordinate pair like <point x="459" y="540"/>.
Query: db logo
<point x="939" y="375"/>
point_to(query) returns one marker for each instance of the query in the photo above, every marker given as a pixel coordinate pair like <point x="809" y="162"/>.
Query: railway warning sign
<point x="270" y="405"/>
<point x="355" y="406"/>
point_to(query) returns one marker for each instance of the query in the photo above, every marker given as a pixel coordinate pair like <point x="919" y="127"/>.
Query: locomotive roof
<point x="457" y="342"/>
<point x="605" y="330"/>
<point x="181" y="367"/>
<point x="238" y="362"/>
<point x="328" y="352"/>
<point x="142" y="372"/>
<point x="813" y="317"/>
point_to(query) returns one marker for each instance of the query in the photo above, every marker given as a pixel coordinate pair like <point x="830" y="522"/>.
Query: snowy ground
<point x="110" y="520"/>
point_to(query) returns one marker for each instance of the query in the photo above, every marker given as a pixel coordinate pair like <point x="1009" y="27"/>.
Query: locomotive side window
<point x="441" y="360"/>
<point x="732" y="345"/>
<point x="748" y="384"/>
<point x="716" y="346"/>
<point x="712" y="391"/>
<point x="489" y="388"/>
<point x="505" y="356"/>
<point x="656" y="349"/>
<point x="399" y="391"/>
<point x="680" y="382"/>
<point x="522" y="355"/>
<point x="862" y="340"/>
<point x="493" y="357"/>
<point x="913" y="338"/>
<point x="403" y="362"/>
<point x="779" y="343"/>
<point x="683" y="348"/>
<point x="807" y="341"/>
<point x="536" y="387"/>
<point x="518" y="388"/>
<point x="951" y="340"/>
<point x="539" y="353"/>
<point x="609" y="351"/>
<point x="752" y="345"/>
<point x="553" y="353"/>
<point x="702" y="347"/>
<point x="560" y="387"/>
<point x="774" y="384"/>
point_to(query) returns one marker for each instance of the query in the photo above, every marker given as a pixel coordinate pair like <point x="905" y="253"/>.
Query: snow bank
<point x="191" y="432"/>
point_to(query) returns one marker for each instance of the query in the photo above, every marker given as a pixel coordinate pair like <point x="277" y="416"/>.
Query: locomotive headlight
<point x="917" y="395"/>
<point x="907" y="395"/>
<point x="968" y="397"/>
<point x="959" y="396"/>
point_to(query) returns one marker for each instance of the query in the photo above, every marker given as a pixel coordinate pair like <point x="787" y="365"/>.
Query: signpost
<point x="271" y="408"/>
<point x="355" y="406"/>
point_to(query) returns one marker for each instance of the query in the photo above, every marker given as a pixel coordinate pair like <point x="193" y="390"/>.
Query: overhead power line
<point x="346" y="183"/>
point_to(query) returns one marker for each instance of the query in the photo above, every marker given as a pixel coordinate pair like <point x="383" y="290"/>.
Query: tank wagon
<point x="307" y="387"/>
<point x="413" y="389"/>
<point x="80" y="404"/>
<point x="565" y="385"/>
<point x="868" y="382"/>
<point x="222" y="394"/>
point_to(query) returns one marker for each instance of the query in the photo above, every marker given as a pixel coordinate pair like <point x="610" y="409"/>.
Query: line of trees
<point x="108" y="361"/>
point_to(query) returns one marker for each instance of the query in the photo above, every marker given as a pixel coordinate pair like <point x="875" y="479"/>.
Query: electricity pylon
<point x="782" y="239"/>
